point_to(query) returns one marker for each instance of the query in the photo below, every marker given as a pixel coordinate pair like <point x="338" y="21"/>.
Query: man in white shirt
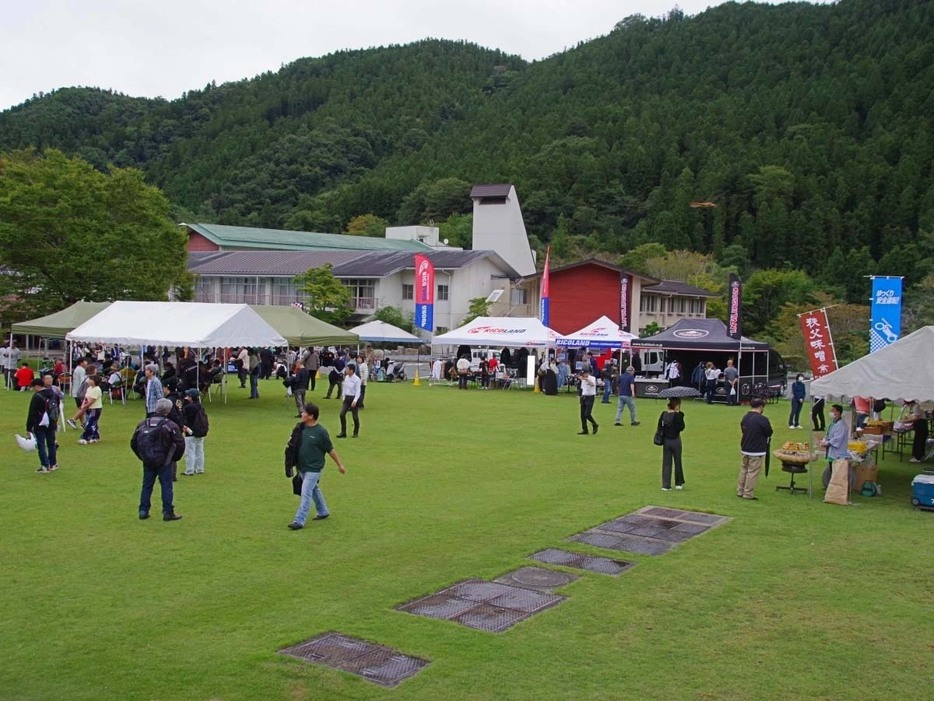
<point x="463" y="372"/>
<point x="5" y="362"/>
<point x="77" y="379"/>
<point x="363" y="372"/>
<point x="588" y="395"/>
<point x="350" y="391"/>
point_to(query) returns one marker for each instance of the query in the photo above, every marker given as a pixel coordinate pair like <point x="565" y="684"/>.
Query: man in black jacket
<point x="757" y="430"/>
<point x="159" y="443"/>
<point x="42" y="423"/>
<point x="299" y="386"/>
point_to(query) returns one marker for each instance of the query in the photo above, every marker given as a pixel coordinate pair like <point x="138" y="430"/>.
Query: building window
<point x="697" y="306"/>
<point x="204" y="289"/>
<point x="440" y="330"/>
<point x="408" y="291"/>
<point x="283" y="291"/>
<point x="362" y="293"/>
<point x="442" y="293"/>
<point x="518" y="295"/>
<point x="648" y="303"/>
<point x="678" y="305"/>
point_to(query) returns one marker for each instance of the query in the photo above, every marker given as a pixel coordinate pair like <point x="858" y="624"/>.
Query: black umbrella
<point x="679" y="392"/>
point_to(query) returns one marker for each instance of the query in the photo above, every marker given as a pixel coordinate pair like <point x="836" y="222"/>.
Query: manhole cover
<point x="443" y="606"/>
<point x="476" y="590"/>
<point x="682" y="515"/>
<point x="598" y="540"/>
<point x="536" y="578"/>
<point x="601" y="565"/>
<point x="492" y="618"/>
<point x="376" y="663"/>
<point x="526" y="600"/>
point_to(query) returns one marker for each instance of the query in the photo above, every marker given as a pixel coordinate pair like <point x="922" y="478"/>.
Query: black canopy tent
<point x="691" y="341"/>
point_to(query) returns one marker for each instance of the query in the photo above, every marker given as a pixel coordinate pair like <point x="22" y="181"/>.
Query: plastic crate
<point x="922" y="491"/>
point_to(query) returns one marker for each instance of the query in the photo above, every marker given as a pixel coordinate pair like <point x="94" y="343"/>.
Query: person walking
<point x="153" y="389"/>
<point x="754" y="445"/>
<point x="256" y="369"/>
<point x="306" y="450"/>
<point x="363" y="372"/>
<point x="671" y="424"/>
<point x="798" y="393"/>
<point x="158" y="443"/>
<point x="93" y="406"/>
<point x="195" y="426"/>
<point x="626" y="383"/>
<point x="588" y="397"/>
<point x="42" y="423"/>
<point x="299" y="387"/>
<point x="350" y="391"/>
<point x="312" y="362"/>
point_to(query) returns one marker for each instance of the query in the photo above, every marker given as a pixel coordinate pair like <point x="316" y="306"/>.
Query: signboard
<point x="734" y="322"/>
<point x="424" y="293"/>
<point x="818" y="342"/>
<point x="885" y="325"/>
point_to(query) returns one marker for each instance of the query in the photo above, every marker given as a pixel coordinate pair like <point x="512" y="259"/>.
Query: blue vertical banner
<point x="885" y="325"/>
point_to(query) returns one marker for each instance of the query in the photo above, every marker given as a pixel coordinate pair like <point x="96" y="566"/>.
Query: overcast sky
<point x="151" y="48"/>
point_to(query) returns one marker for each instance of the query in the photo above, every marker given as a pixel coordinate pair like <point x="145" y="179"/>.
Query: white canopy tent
<point x="191" y="324"/>
<point x="500" y="331"/>
<point x="602" y="333"/>
<point x="902" y="370"/>
<point x="186" y="324"/>
<point x="380" y="332"/>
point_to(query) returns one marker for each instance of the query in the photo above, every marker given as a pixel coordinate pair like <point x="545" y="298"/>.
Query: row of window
<point x="408" y="292"/>
<point x="675" y="305"/>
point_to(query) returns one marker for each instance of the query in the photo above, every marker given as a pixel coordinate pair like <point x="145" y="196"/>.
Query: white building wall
<point x="500" y="228"/>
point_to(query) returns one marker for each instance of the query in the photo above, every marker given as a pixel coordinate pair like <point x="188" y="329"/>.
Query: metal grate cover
<point x="526" y="600"/>
<point x="538" y="578"/>
<point x="682" y="515"/>
<point x="443" y="606"/>
<point x="376" y="663"/>
<point x="477" y="590"/>
<point x="492" y="618"/>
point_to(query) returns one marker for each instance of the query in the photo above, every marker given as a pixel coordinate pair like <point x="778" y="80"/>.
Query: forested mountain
<point x="808" y="126"/>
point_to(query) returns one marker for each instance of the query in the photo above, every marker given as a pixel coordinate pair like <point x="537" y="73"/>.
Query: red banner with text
<point x="818" y="342"/>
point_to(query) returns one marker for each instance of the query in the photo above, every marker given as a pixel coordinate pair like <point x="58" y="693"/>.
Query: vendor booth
<point x="380" y="332"/>
<point x="691" y="341"/>
<point x="301" y="329"/>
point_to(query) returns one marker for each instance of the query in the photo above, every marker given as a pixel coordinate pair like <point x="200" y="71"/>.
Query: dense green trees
<point x="69" y="232"/>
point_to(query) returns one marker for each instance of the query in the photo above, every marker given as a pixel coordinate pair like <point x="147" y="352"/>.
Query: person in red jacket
<point x="24" y="377"/>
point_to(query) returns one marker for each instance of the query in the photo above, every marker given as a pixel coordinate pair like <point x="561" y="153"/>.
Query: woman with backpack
<point x="195" y="427"/>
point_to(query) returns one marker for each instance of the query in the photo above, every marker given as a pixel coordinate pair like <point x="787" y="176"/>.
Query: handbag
<point x="297" y="484"/>
<point x="659" y="437"/>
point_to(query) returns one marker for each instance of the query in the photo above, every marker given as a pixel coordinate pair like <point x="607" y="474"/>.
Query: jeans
<point x="194" y="454"/>
<point x="356" y="417"/>
<point x="310" y="492"/>
<point x="794" y="419"/>
<point x="586" y="412"/>
<point x="299" y="396"/>
<point x="711" y="391"/>
<point x="254" y="390"/>
<point x="671" y="450"/>
<point x="607" y="390"/>
<point x="150" y="475"/>
<point x="45" y="445"/>
<point x="625" y="400"/>
<point x="91" y="424"/>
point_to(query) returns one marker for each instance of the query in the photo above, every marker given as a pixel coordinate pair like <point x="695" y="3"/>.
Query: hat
<point x="193" y="393"/>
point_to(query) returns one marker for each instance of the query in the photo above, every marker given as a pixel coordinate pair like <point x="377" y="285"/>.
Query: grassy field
<point x="791" y="599"/>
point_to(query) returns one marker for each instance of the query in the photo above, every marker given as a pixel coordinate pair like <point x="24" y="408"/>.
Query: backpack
<point x="150" y="444"/>
<point x="199" y="423"/>
<point x="51" y="408"/>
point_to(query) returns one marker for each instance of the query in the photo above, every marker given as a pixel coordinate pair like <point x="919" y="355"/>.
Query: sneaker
<point x="171" y="516"/>
<point x="617" y="424"/>
<point x="914" y="460"/>
<point x="679" y="487"/>
<point x="143" y="515"/>
<point x="83" y="442"/>
<point x="751" y="498"/>
<point x="583" y="433"/>
<point x="790" y="426"/>
<point x="53" y="468"/>
<point x="94" y="440"/>
<point x="666" y="489"/>
<point x="187" y="473"/>
<point x="595" y="429"/>
<point x="72" y="423"/>
<point x="296" y="526"/>
<point x="797" y="427"/>
<point x="321" y="518"/>
<point x="43" y="470"/>
<point x="341" y="435"/>
<point x="634" y="423"/>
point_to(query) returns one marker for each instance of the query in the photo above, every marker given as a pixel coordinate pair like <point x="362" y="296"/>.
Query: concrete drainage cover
<point x="376" y="663"/>
<point x="483" y="605"/>
<point x="537" y="578"/>
<point x="652" y="530"/>
<point x="590" y="563"/>
<point x="626" y="543"/>
<point x="682" y="515"/>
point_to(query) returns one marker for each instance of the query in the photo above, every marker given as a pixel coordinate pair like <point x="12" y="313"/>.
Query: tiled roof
<point x="501" y="190"/>
<point x="250" y="237"/>
<point x="647" y="280"/>
<point x="675" y="287"/>
<point x="347" y="264"/>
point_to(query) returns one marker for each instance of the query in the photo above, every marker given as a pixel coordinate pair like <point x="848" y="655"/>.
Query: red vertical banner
<point x="625" y="300"/>
<point x="424" y="293"/>
<point x="818" y="342"/>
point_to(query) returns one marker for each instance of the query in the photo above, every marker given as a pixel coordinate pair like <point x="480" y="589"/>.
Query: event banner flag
<point x="544" y="314"/>
<point x="818" y="342"/>
<point x="735" y="315"/>
<point x="625" y="300"/>
<point x="886" y="317"/>
<point x="424" y="293"/>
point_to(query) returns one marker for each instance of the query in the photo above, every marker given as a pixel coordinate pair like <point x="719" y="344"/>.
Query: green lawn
<point x="791" y="599"/>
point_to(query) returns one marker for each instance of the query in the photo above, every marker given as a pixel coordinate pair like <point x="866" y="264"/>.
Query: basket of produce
<point x="793" y="453"/>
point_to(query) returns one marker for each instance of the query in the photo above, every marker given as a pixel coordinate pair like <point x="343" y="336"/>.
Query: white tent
<point x="602" y="333"/>
<point x="191" y="324"/>
<point x="498" y="332"/>
<point x="902" y="370"/>
<point x="381" y="332"/>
